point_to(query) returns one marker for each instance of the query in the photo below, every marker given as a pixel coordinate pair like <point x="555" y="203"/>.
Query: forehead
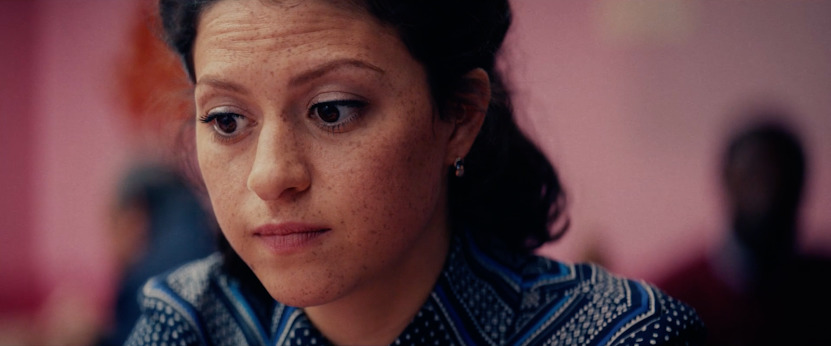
<point x="256" y="10"/>
<point x="239" y="39"/>
<point x="293" y="27"/>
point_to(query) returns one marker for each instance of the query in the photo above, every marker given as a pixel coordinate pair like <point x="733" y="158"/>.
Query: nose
<point x="279" y="169"/>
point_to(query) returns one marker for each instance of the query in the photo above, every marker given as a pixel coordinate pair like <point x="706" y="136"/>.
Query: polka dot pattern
<point x="220" y="322"/>
<point x="678" y="325"/>
<point x="427" y="328"/>
<point x="160" y="325"/>
<point x="303" y="333"/>
<point x="489" y="313"/>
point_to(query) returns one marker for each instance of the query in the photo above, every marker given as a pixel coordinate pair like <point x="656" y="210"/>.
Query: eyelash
<point x="357" y="107"/>
<point x="212" y="118"/>
<point x="208" y="118"/>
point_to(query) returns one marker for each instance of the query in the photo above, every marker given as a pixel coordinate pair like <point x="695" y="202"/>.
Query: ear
<point x="468" y="113"/>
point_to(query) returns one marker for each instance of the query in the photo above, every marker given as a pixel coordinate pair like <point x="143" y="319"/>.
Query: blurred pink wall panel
<point x="19" y="284"/>
<point x="80" y="146"/>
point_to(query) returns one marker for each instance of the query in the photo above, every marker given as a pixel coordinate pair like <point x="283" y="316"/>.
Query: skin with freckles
<point x="324" y="127"/>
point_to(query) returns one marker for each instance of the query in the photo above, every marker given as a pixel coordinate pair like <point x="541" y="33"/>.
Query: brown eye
<point x="335" y="116"/>
<point x="226" y="123"/>
<point x="336" y="111"/>
<point x="328" y="112"/>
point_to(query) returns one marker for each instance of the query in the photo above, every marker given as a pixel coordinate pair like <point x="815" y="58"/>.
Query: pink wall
<point x="64" y="149"/>
<point x="17" y="157"/>
<point x="633" y="101"/>
<point x="81" y="142"/>
<point x="628" y="98"/>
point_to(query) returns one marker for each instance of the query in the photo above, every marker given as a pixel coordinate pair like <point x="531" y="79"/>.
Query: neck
<point x="377" y="312"/>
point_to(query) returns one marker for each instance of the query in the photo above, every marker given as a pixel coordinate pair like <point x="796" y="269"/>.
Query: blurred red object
<point x="153" y="85"/>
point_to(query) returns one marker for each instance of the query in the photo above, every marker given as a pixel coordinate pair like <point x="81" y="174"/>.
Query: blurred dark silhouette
<point x="158" y="223"/>
<point x="758" y="289"/>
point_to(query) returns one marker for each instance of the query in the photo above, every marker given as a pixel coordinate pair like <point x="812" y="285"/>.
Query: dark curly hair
<point x="510" y="196"/>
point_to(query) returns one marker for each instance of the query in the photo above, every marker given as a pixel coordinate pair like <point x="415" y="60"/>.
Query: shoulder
<point x="188" y="284"/>
<point x="540" y="301"/>
<point x="595" y="306"/>
<point x="184" y="306"/>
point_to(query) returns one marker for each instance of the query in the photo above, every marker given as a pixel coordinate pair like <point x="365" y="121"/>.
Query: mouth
<point x="289" y="237"/>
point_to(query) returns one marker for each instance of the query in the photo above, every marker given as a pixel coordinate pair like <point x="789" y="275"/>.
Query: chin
<point x="304" y="291"/>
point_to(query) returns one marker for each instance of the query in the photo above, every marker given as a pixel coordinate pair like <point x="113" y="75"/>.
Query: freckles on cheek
<point x="397" y="177"/>
<point x="211" y="175"/>
<point x="221" y="178"/>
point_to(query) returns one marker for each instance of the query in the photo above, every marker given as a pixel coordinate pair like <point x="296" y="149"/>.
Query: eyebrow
<point x="221" y="84"/>
<point x="304" y="77"/>
<point x="321" y="70"/>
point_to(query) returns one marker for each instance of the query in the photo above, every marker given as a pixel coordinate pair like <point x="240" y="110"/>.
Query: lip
<point x="288" y="237"/>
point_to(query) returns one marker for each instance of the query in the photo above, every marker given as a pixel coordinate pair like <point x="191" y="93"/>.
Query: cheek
<point x="395" y="179"/>
<point x="223" y="175"/>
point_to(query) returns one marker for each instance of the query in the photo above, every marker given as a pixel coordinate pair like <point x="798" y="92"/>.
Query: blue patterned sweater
<point x="479" y="299"/>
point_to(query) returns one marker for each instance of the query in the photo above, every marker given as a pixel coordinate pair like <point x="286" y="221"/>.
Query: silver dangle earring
<point x="460" y="167"/>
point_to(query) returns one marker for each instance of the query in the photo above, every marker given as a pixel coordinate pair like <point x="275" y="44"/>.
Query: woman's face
<point x="319" y="145"/>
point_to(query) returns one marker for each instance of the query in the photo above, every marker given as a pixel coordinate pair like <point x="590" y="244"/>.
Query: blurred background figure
<point x="158" y="223"/>
<point x="757" y="288"/>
